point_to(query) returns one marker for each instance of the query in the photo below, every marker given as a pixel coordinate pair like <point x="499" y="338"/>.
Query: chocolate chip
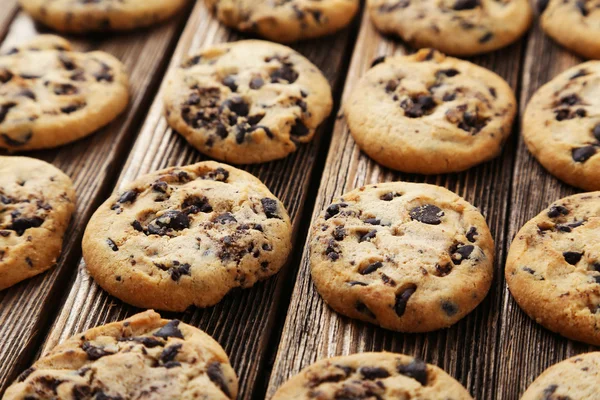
<point x="541" y="5"/>
<point x="472" y="234"/>
<point x="4" y="109"/>
<point x="196" y="204"/>
<point x="299" y="129"/>
<point x="371" y="268"/>
<point x="215" y="374"/>
<point x="389" y="196"/>
<point x="284" y="74"/>
<point x="472" y="122"/>
<point x="418" y="106"/>
<point x="105" y="74"/>
<point x="570" y="226"/>
<point x="177" y="271"/>
<point x="70" y="109"/>
<point x="112" y="244"/>
<point x="256" y="83"/>
<point x="427" y="214"/>
<point x="334" y="210"/>
<point x="236" y="105"/>
<point x="460" y="252"/>
<point x="224" y="218"/>
<point x="557" y="210"/>
<point x="17" y="142"/>
<point x="93" y="352"/>
<point x="332" y="251"/>
<point x="367" y="236"/>
<point x="449" y="308"/>
<point x="144" y="340"/>
<point x="21" y="224"/>
<point x="372" y="373"/>
<point x="363" y="309"/>
<point x="486" y="38"/>
<point x="219" y="174"/>
<point x="357" y="283"/>
<point x="460" y="5"/>
<point x="596" y="132"/>
<point x="402" y="299"/>
<point x="339" y="233"/>
<point x="27" y="93"/>
<point x="66" y="62"/>
<point x="160" y="186"/>
<point x="581" y="6"/>
<point x="5" y="75"/>
<point x="25" y="374"/>
<point x="229" y="81"/>
<point x="378" y="61"/>
<point x="572" y="257"/>
<point x="169" y="330"/>
<point x="270" y="207"/>
<point x="128" y="197"/>
<point x="169" y="353"/>
<point x="170" y="220"/>
<point x="581" y="72"/>
<point x="447" y="72"/>
<point x="417" y="369"/>
<point x="137" y="226"/>
<point x="373" y="221"/>
<point x="582" y="154"/>
<point x="443" y="270"/>
<point x="65" y="89"/>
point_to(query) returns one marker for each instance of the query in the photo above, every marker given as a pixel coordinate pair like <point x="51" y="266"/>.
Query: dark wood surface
<point x="281" y="326"/>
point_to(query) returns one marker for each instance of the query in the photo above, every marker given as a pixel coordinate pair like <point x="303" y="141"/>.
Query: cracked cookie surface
<point x="561" y="126"/>
<point x="51" y="95"/>
<point x="553" y="267"/>
<point x="143" y="356"/>
<point x="285" y="20"/>
<point x="573" y="379"/>
<point x="187" y="236"/>
<point x="79" y="16"/>
<point x="247" y="102"/>
<point x="428" y="113"/>
<point x="457" y="27"/>
<point x="574" y="24"/>
<point x="372" y="376"/>
<point x="36" y="203"/>
<point x="408" y="257"/>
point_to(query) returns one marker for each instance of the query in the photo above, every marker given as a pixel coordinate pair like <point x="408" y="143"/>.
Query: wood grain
<point x="527" y="348"/>
<point x="468" y="350"/>
<point x="93" y="163"/>
<point x="244" y="321"/>
<point x="7" y="13"/>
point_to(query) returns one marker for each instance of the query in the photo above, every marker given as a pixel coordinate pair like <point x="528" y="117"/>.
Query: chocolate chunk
<point x="357" y="283"/>
<point x="332" y="251"/>
<point x="284" y="74"/>
<point x="70" y="109"/>
<point x="146" y="341"/>
<point x="367" y="236"/>
<point x="105" y="74"/>
<point x="229" y="81"/>
<point x="373" y="221"/>
<point x="389" y="196"/>
<point x="112" y="244"/>
<point x="256" y="83"/>
<point x="418" y="106"/>
<point x="334" y="210"/>
<point x="93" y="352"/>
<point x="427" y="214"/>
<point x="175" y="220"/>
<point x="215" y="374"/>
<point x="177" y="271"/>
<point x="582" y="154"/>
<point x="371" y="268"/>
<point x="16" y="142"/>
<point x="236" y="105"/>
<point x="449" y="308"/>
<point x="339" y="233"/>
<point x="66" y="62"/>
<point x="402" y="299"/>
<point x="196" y="204"/>
<point x="378" y="61"/>
<point x="169" y="353"/>
<point x="460" y="252"/>
<point x="137" y="226"/>
<point x="5" y="75"/>
<point x="472" y="122"/>
<point x="460" y="5"/>
<point x="569" y="227"/>
<point x="417" y="370"/>
<point x="169" y="330"/>
<point x="219" y="174"/>
<point x="472" y="234"/>
<point x="21" y="224"/>
<point x="572" y="257"/>
<point x="596" y="132"/>
<point x="363" y="309"/>
<point x="557" y="210"/>
<point x="25" y="374"/>
<point x="581" y="72"/>
<point x="4" y="109"/>
<point x="160" y="186"/>
<point x="443" y="270"/>
<point x="224" y="218"/>
<point x="299" y="129"/>
<point x="128" y="197"/>
<point x="372" y="373"/>
<point x="447" y="72"/>
<point x="65" y="89"/>
<point x="270" y="207"/>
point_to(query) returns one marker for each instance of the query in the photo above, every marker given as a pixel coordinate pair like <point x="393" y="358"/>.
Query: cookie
<point x="457" y="27"/>
<point x="430" y="114"/>
<point x="285" y="21"/>
<point x="186" y="236"/>
<point x="51" y="95"/>
<point x="142" y="357"/>
<point x="408" y="257"/>
<point x="372" y="376"/>
<point x="553" y="267"/>
<point x="80" y="16"/>
<point x="561" y="126"/>
<point x="573" y="379"/>
<point x="574" y="24"/>
<point x="247" y="102"/>
<point x="36" y="203"/>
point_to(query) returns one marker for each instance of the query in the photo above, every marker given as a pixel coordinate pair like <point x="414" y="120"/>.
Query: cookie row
<point x="146" y="356"/>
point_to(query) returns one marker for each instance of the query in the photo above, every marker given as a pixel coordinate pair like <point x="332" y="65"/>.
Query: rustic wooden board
<point x="468" y="350"/>
<point x="527" y="348"/>
<point x="245" y="320"/>
<point x="93" y="163"/>
<point x="7" y="12"/>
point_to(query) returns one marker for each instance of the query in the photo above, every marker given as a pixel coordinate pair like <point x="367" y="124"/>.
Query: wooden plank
<point x="93" y="163"/>
<point x="7" y="13"/>
<point x="528" y="348"/>
<point x="244" y="321"/>
<point x="468" y="350"/>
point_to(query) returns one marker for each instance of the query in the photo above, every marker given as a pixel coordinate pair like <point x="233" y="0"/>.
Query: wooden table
<point x="280" y="326"/>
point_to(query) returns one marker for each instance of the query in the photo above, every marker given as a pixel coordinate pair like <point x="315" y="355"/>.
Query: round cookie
<point x="141" y="357"/>
<point x="574" y="24"/>
<point x="457" y="27"/>
<point x="36" y="203"/>
<point x="384" y="376"/>
<point x="80" y="16"/>
<point x="187" y="236"/>
<point x="285" y="21"/>
<point x="430" y="114"/>
<point x="50" y="95"/>
<point x="553" y="267"/>
<point x="247" y="102"/>
<point x="573" y="379"/>
<point x="561" y="126"/>
<point x="408" y="257"/>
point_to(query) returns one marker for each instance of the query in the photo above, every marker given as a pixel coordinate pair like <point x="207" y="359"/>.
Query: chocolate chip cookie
<point x="573" y="379"/>
<point x="285" y="20"/>
<point x="430" y="114"/>
<point x="408" y="257"/>
<point x="372" y="376"/>
<point x="457" y="27"/>
<point x="574" y="24"/>
<point x="79" y="16"/>
<point x="186" y="236"/>
<point x="561" y="126"/>
<point x="553" y="267"/>
<point x="51" y="95"/>
<point x="247" y="102"/>
<point x="142" y="357"/>
<point x="36" y="203"/>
